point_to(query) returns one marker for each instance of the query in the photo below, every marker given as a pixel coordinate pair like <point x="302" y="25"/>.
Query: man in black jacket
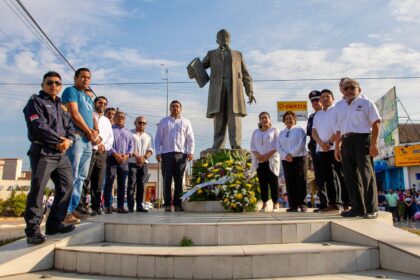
<point x="51" y="133"/>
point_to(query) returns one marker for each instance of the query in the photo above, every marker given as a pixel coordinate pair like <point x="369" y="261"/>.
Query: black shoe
<point x="36" y="239"/>
<point x="130" y="210"/>
<point x="292" y="210"/>
<point x="122" y="211"/>
<point x="372" y="215"/>
<point x="108" y="210"/>
<point x="61" y="228"/>
<point x="167" y="208"/>
<point x="349" y="214"/>
<point x="142" y="210"/>
<point x="179" y="208"/>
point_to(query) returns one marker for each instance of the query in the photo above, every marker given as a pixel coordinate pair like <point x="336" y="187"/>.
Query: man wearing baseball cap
<point x="314" y="97"/>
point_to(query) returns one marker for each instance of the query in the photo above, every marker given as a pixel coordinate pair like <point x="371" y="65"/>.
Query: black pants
<point x="113" y="169"/>
<point x="330" y="182"/>
<point x="44" y="166"/>
<point x="173" y="167"/>
<point x="267" y="178"/>
<point x="359" y="173"/>
<point x="322" y="194"/>
<point x="95" y="179"/>
<point x="137" y="179"/>
<point x="295" y="174"/>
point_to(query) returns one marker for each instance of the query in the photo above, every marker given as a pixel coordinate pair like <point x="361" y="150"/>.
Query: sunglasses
<point x="142" y="123"/>
<point x="50" y="83"/>
<point x="349" y="88"/>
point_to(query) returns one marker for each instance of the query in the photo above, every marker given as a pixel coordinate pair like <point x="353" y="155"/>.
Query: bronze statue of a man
<point x="226" y="101"/>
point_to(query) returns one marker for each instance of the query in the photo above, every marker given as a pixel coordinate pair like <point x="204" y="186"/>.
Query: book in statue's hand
<point x="196" y="71"/>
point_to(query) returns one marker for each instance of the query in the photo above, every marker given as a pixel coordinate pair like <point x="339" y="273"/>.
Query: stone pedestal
<point x="203" y="206"/>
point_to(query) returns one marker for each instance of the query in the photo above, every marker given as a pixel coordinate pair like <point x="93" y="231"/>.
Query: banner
<point x="407" y="155"/>
<point x="300" y="108"/>
<point x="389" y="137"/>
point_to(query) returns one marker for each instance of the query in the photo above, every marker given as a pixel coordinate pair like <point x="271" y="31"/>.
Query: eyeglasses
<point x="349" y="88"/>
<point x="51" y="82"/>
<point x="142" y="123"/>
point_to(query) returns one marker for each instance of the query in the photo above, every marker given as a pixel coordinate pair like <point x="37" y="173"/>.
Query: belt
<point x="51" y="146"/>
<point x="354" y="134"/>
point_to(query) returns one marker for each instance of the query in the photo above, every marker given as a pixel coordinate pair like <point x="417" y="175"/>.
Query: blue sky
<point x="128" y="41"/>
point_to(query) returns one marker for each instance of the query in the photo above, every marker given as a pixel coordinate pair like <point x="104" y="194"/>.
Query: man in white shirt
<point x="330" y="170"/>
<point x="174" y="144"/>
<point x="97" y="166"/>
<point x="138" y="171"/>
<point x="356" y="146"/>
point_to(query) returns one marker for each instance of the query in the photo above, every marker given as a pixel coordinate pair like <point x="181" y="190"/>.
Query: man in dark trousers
<point x="51" y="133"/>
<point x="117" y="164"/>
<point x="314" y="97"/>
<point x="356" y="146"/>
<point x="174" y="144"/>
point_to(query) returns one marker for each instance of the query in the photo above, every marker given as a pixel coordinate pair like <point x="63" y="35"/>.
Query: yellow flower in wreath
<point x="205" y="164"/>
<point x="253" y="200"/>
<point x="239" y="196"/>
<point x="198" y="180"/>
<point x="233" y="205"/>
<point x="216" y="170"/>
<point x="210" y="175"/>
<point x="199" y="191"/>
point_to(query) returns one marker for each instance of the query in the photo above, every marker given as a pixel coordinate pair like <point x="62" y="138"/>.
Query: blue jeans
<point x="80" y="154"/>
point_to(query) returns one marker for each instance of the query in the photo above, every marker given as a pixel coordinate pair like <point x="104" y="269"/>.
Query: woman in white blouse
<point x="266" y="160"/>
<point x="291" y="146"/>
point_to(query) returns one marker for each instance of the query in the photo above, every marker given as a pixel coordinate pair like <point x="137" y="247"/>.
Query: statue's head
<point x="223" y="38"/>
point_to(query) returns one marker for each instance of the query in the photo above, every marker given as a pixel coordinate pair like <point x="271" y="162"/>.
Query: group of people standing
<point x="344" y="141"/>
<point x="82" y="145"/>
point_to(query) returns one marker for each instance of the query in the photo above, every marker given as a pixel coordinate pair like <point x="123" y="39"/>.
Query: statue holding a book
<point x="228" y="78"/>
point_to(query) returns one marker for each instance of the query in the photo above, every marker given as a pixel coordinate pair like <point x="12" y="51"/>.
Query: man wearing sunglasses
<point x="356" y="146"/>
<point x="51" y="133"/>
<point x="138" y="174"/>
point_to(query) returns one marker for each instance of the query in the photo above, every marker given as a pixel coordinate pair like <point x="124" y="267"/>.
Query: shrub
<point x="15" y="205"/>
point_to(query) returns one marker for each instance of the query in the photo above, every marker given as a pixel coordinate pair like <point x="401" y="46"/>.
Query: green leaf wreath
<point x="240" y="193"/>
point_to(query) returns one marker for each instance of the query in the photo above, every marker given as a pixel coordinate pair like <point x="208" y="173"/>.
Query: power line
<point x="45" y="35"/>
<point x="15" y="9"/>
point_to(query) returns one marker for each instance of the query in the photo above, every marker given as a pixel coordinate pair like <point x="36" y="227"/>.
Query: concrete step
<point x="247" y="233"/>
<point x="216" y="262"/>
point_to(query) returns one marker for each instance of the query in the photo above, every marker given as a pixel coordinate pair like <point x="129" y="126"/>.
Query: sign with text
<point x="407" y="155"/>
<point x="389" y="137"/>
<point x="300" y="108"/>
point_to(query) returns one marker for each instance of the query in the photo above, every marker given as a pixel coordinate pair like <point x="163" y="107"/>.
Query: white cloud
<point x="132" y="58"/>
<point x="405" y="11"/>
<point x="356" y="59"/>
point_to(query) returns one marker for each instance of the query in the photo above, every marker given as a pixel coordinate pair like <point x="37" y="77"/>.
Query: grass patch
<point x="186" y="242"/>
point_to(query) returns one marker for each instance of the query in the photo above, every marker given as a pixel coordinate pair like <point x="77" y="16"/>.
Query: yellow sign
<point x="299" y="107"/>
<point x="407" y="155"/>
